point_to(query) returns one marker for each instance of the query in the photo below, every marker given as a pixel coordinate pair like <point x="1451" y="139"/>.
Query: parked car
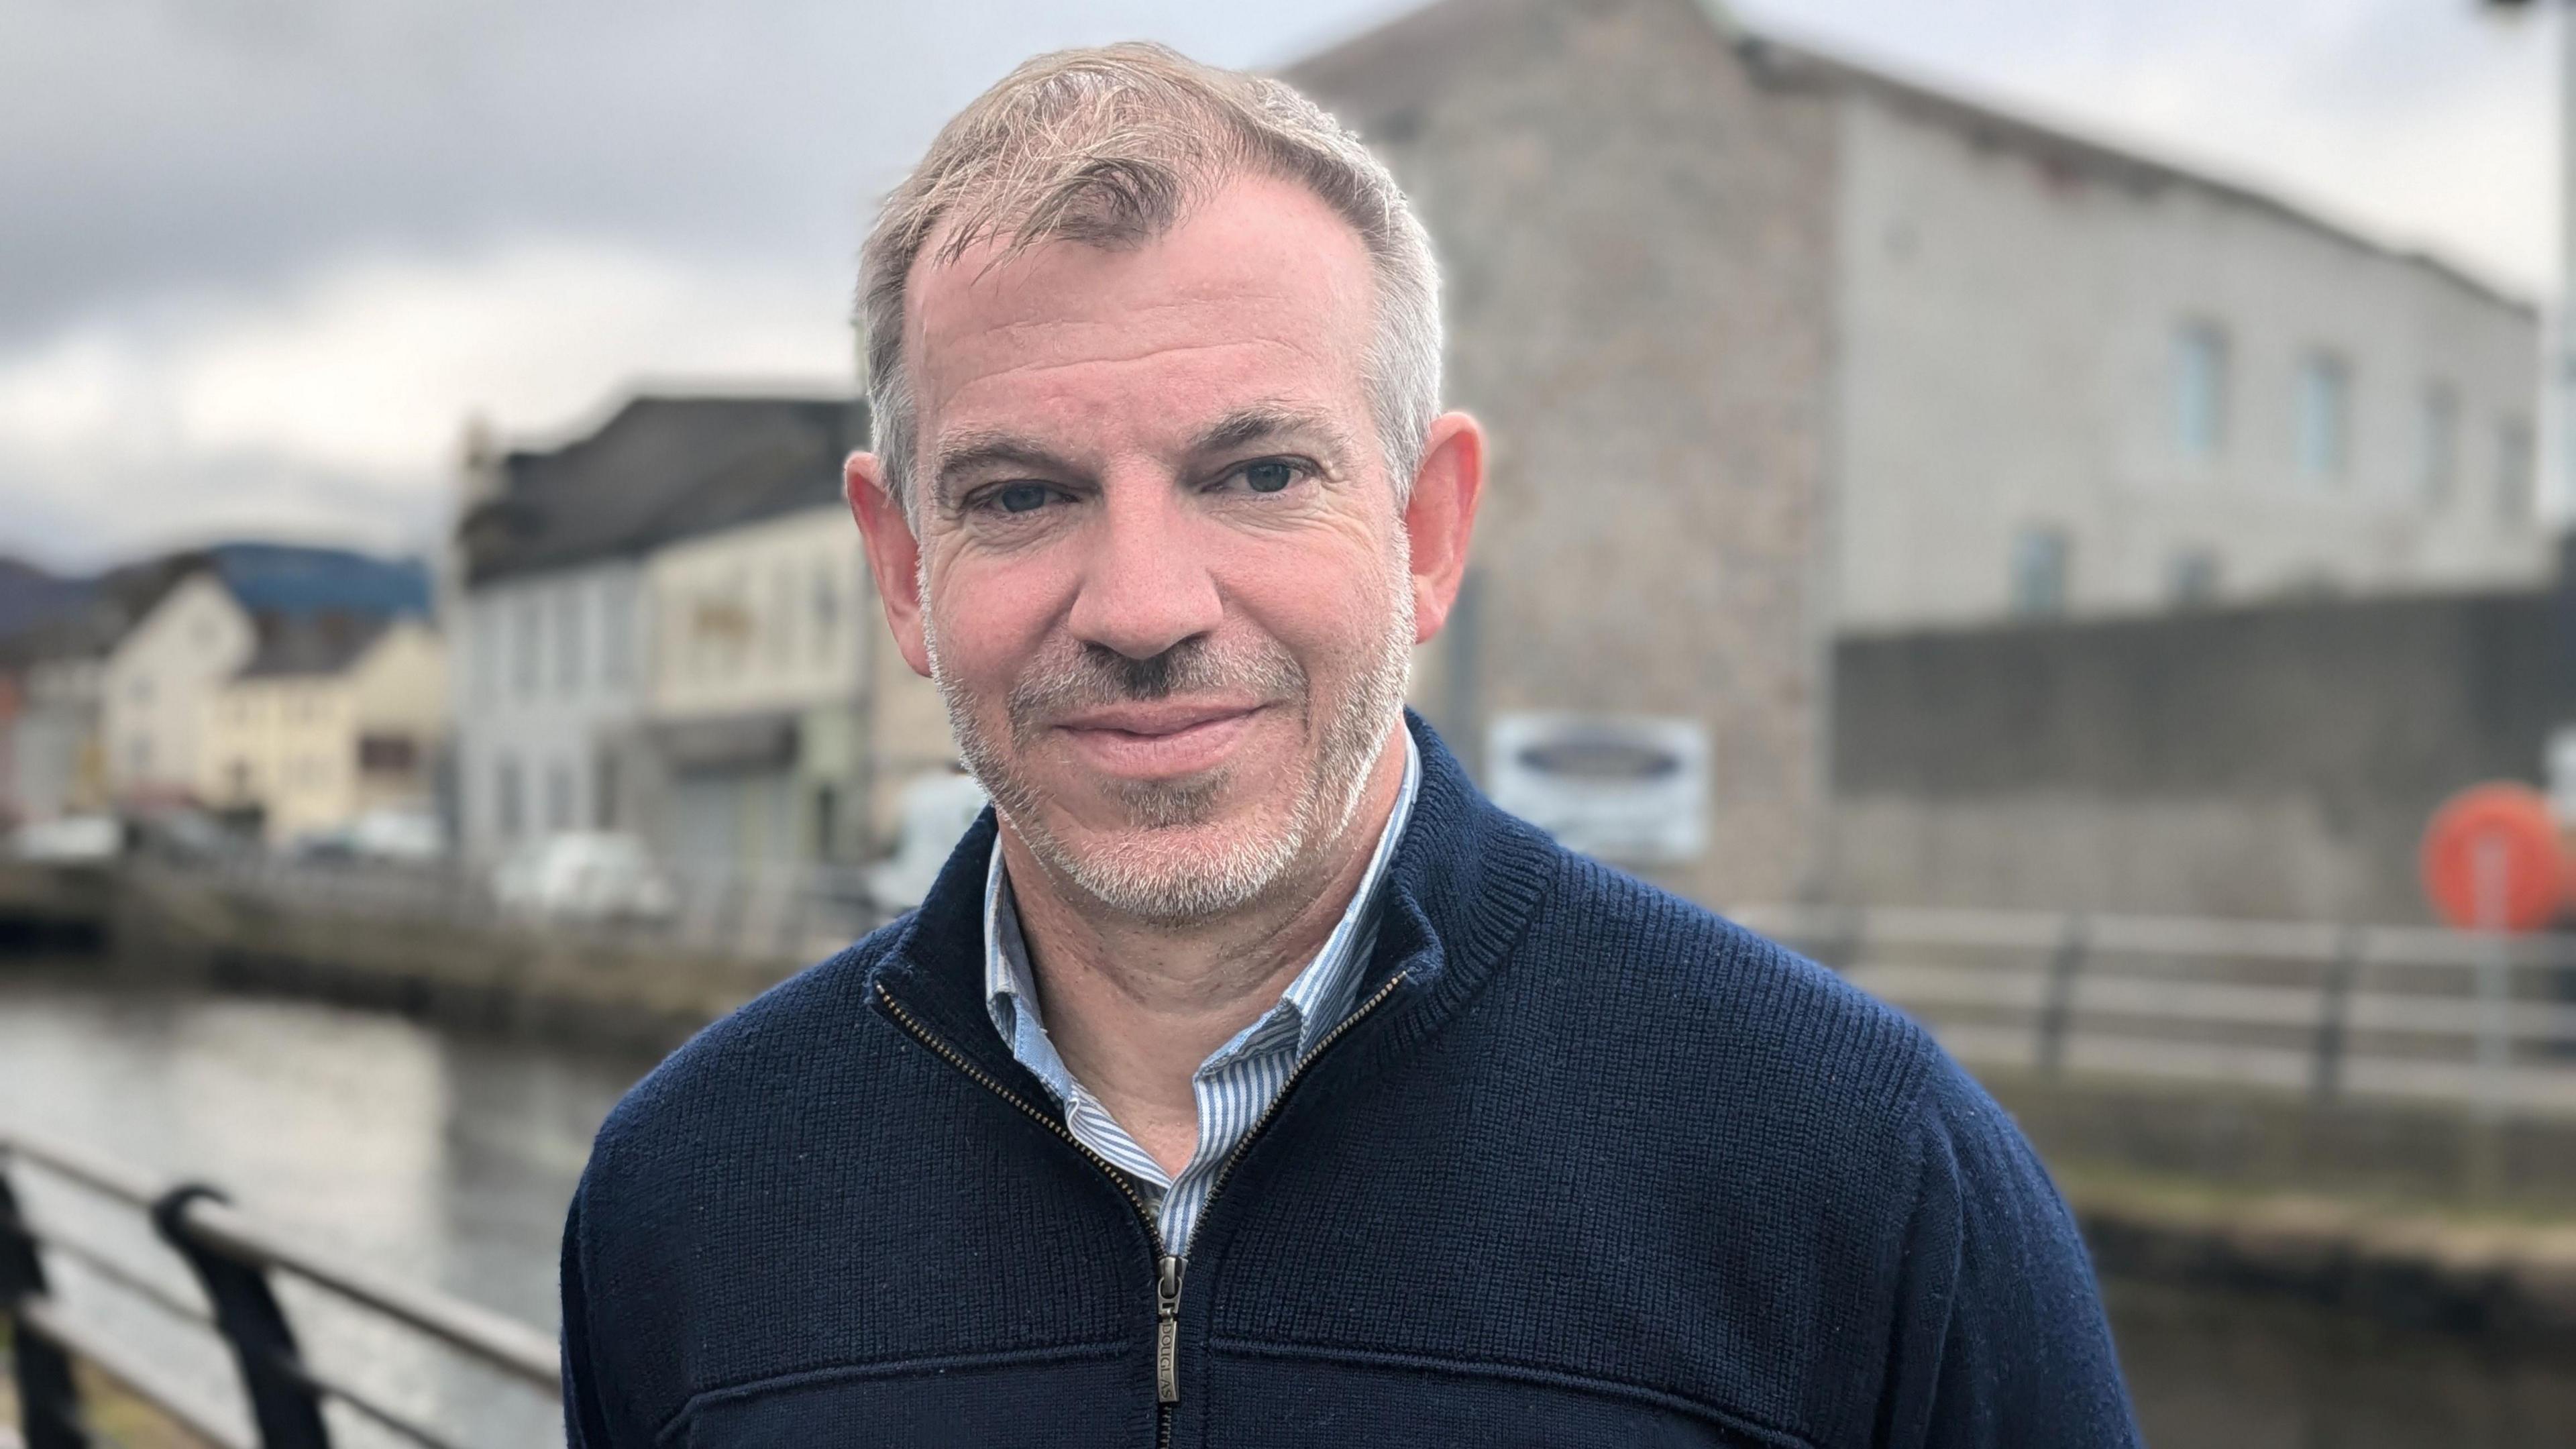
<point x="387" y="837"/>
<point x="72" y="840"/>
<point x="937" y="808"/>
<point x="585" y="875"/>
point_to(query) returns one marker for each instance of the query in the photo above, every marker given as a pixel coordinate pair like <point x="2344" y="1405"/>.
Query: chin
<point x="1178" y="872"/>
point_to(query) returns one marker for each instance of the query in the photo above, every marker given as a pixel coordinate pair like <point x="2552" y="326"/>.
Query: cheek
<point x="988" y="618"/>
<point x="1326" y="606"/>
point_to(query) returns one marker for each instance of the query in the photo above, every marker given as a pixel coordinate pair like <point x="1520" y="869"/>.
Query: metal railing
<point x="234" y="1259"/>
<point x="2479" y="1020"/>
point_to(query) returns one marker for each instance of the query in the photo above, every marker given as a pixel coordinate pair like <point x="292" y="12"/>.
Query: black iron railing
<point x="234" y="1260"/>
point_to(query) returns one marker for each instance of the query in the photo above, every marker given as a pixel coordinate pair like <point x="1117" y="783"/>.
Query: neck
<point x="1133" y="1007"/>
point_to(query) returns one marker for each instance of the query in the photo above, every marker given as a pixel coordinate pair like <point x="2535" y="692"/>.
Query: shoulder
<point x="1757" y="1010"/>
<point x="1734" y="1032"/>
<point x="773" y="1061"/>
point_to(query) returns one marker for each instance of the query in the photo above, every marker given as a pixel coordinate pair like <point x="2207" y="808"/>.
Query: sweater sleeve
<point x="2000" y="1337"/>
<point x="585" y="1422"/>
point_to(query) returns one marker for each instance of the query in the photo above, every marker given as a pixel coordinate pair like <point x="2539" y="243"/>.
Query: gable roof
<point x="1383" y="69"/>
<point x="88" y="615"/>
<point x="307" y="645"/>
<point x="660" y="468"/>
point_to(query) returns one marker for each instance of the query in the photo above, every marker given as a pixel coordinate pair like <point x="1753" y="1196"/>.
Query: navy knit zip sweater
<point x="1589" y="1166"/>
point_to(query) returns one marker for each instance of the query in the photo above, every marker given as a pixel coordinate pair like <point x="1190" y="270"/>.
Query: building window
<point x="568" y="649"/>
<point x="559" y="796"/>
<point x="528" y="627"/>
<point x="2191" y="579"/>
<point x="603" y="794"/>
<point x="508" y="806"/>
<point x="827" y="823"/>
<point x="2040" y="562"/>
<point x="2516" y="472"/>
<point x="2324" y="416"/>
<point x="616" y="634"/>
<point x="2200" y="389"/>
<point x="827" y="610"/>
<point x="387" y="754"/>
<point x="2437" y="444"/>
<point x="782" y="618"/>
<point x="736" y="623"/>
<point x="487" y="653"/>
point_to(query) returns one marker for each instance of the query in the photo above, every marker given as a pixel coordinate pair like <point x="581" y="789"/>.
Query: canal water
<point x="448" y="1159"/>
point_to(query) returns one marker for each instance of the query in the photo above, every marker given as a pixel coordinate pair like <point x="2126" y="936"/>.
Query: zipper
<point x="1167" y="1264"/>
<point x="1350" y="1019"/>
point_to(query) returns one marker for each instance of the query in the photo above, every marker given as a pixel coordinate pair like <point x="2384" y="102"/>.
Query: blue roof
<point x="292" y="579"/>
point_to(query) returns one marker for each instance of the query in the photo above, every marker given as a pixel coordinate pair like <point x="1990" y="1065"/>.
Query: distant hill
<point x="32" y="597"/>
<point x="45" y="615"/>
<point x="293" y="579"/>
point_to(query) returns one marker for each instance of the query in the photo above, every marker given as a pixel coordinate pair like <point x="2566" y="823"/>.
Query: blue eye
<point x="1269" y="477"/>
<point x="1021" y="497"/>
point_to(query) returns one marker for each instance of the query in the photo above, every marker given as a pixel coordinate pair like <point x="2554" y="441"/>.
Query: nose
<point x="1144" y="586"/>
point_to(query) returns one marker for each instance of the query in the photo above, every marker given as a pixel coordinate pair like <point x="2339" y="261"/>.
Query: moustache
<point x="1084" y="675"/>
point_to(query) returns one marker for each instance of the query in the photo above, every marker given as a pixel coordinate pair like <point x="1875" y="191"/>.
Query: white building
<point x="551" y="673"/>
<point x="2077" y="381"/>
<point x="665" y="624"/>
<point x="156" y="683"/>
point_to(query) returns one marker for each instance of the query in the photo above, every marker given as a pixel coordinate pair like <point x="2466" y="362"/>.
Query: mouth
<point x="1158" y="740"/>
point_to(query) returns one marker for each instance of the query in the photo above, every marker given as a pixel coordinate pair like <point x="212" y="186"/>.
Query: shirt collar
<point x="1315" y="1001"/>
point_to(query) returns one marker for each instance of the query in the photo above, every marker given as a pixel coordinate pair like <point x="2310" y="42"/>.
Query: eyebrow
<point x="1260" y="421"/>
<point x="974" y="451"/>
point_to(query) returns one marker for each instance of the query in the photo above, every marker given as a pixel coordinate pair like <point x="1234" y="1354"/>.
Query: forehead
<point x="1261" y="292"/>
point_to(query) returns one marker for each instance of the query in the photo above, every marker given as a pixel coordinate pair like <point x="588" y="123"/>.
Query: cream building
<point x="157" y="682"/>
<point x="777" y="701"/>
<point x="332" y="717"/>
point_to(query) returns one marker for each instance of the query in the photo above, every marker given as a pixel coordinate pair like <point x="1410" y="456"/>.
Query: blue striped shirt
<point x="1236" y="1084"/>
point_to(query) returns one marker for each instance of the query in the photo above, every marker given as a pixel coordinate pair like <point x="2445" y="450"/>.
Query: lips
<point x="1159" y="739"/>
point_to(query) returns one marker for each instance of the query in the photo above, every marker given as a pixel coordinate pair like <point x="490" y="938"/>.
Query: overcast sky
<point x="261" y="258"/>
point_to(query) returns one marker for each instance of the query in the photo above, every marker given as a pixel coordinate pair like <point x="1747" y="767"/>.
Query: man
<point x="1247" y="1079"/>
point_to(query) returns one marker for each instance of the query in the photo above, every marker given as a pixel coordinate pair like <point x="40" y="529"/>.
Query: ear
<point x="894" y="555"/>
<point x="1441" y="514"/>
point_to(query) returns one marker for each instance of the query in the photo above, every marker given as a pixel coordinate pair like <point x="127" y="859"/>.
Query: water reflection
<point x="449" y="1159"/>
<point x="2224" y="1369"/>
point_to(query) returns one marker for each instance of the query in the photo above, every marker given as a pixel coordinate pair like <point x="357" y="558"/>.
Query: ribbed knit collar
<point x="1461" y="887"/>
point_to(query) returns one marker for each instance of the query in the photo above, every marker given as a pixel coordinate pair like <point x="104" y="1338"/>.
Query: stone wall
<point x="1636" y="230"/>
<point x="2272" y="762"/>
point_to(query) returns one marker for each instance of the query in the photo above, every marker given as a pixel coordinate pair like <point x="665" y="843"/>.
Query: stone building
<point x="1773" y="347"/>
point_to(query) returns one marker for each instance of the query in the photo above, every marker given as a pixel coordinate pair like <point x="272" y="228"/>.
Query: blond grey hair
<point x="1109" y="147"/>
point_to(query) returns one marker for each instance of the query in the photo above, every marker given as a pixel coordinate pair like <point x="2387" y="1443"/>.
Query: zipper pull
<point x="1167" y="1330"/>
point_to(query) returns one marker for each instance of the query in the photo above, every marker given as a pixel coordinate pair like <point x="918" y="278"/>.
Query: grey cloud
<point x="178" y="144"/>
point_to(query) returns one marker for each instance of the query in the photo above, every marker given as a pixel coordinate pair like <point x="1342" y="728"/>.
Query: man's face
<point x="1163" y="572"/>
